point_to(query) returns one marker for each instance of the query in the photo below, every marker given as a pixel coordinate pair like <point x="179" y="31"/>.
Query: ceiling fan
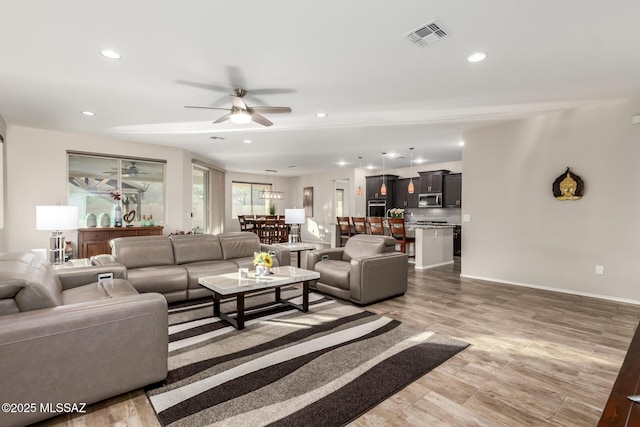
<point x="131" y="171"/>
<point x="241" y="114"/>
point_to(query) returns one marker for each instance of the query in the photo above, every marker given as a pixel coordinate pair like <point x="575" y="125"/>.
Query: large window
<point x="200" y="200"/>
<point x="246" y="199"/>
<point x="94" y="180"/>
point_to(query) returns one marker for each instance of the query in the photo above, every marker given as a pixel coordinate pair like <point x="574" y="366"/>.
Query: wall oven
<point x="430" y="200"/>
<point x="377" y="208"/>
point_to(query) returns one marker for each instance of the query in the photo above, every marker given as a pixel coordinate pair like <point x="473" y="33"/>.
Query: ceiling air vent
<point x="427" y="34"/>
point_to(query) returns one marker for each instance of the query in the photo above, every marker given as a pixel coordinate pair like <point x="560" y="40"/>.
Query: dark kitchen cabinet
<point x="401" y="196"/>
<point x="431" y="182"/>
<point x="452" y="190"/>
<point x="374" y="183"/>
<point x="457" y="240"/>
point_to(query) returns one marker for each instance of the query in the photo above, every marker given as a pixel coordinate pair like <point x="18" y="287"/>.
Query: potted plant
<point x="272" y="209"/>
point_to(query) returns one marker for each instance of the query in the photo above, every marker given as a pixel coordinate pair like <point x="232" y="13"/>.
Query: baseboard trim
<point x="425" y="267"/>
<point x="548" y="288"/>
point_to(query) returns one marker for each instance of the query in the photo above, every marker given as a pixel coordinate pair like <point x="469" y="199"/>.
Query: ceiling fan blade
<point x="270" y="110"/>
<point x="238" y="102"/>
<point x="206" y="86"/>
<point x="223" y="118"/>
<point x="261" y="119"/>
<point x="206" y="108"/>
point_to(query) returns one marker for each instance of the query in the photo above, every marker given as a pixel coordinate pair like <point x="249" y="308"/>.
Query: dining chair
<point x="376" y="226"/>
<point x="399" y="232"/>
<point x="243" y="223"/>
<point x="269" y="230"/>
<point x="359" y="225"/>
<point x="282" y="231"/>
<point x="345" y="229"/>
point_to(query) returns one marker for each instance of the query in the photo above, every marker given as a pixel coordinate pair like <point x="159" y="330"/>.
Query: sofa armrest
<point x="103" y="259"/>
<point x="81" y="353"/>
<point x="79" y="276"/>
<point x="283" y="255"/>
<point x="314" y="257"/>
<point x="380" y="276"/>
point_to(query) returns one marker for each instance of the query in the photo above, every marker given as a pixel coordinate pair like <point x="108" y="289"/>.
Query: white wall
<point x="37" y="175"/>
<point x="519" y="233"/>
<point x="3" y="188"/>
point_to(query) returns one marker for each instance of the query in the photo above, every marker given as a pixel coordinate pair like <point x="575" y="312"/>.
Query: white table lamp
<point x="55" y="219"/>
<point x="294" y="217"/>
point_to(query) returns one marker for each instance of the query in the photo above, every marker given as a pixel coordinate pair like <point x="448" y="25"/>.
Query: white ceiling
<point x="346" y="58"/>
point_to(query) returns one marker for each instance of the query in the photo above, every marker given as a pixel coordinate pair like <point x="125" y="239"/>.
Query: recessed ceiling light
<point x="88" y="113"/>
<point x="419" y="161"/>
<point x="321" y="115"/>
<point x="247" y="141"/>
<point x="292" y="167"/>
<point x="342" y="163"/>
<point x="461" y="143"/>
<point x="477" y="57"/>
<point x="216" y="137"/>
<point x="111" y="54"/>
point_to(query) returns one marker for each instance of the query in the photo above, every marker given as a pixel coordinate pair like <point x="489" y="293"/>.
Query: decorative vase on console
<point x="117" y="217"/>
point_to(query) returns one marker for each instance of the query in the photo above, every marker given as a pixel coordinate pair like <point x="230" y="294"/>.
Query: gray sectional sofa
<point x="172" y="265"/>
<point x="66" y="338"/>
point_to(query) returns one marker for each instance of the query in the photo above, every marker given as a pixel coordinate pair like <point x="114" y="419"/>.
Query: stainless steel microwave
<point x="430" y="200"/>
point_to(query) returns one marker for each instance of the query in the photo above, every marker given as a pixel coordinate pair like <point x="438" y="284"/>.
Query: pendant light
<point x="272" y="194"/>
<point x="411" y="189"/>
<point x="383" y="188"/>
<point x="359" y="167"/>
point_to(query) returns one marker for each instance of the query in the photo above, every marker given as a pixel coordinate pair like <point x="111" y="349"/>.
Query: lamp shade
<point x="294" y="216"/>
<point x="56" y="217"/>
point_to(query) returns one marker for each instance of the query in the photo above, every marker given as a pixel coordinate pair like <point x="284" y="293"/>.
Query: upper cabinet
<point x="401" y="196"/>
<point x="431" y="182"/>
<point x="452" y="189"/>
<point x="374" y="183"/>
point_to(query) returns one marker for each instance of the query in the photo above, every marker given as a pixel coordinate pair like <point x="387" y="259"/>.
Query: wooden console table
<point x="95" y="241"/>
<point x="619" y="410"/>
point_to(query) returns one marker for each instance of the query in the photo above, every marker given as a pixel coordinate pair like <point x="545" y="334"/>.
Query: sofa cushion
<point x="366" y="245"/>
<point x="29" y="281"/>
<point x="162" y="278"/>
<point x="106" y="289"/>
<point x="334" y="273"/>
<point x="143" y="251"/>
<point x="195" y="248"/>
<point x="207" y="268"/>
<point x="239" y="245"/>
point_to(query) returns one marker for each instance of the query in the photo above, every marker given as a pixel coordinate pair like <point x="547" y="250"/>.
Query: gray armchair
<point x="64" y="337"/>
<point x="367" y="269"/>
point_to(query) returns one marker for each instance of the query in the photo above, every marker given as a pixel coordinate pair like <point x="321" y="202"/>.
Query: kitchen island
<point x="434" y="245"/>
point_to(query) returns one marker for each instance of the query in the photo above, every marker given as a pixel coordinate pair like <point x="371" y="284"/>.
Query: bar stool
<point x="376" y="226"/>
<point x="345" y="229"/>
<point x="359" y="225"/>
<point x="398" y="232"/>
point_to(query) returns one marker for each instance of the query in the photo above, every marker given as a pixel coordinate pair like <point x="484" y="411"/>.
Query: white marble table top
<point x="295" y="246"/>
<point x="232" y="283"/>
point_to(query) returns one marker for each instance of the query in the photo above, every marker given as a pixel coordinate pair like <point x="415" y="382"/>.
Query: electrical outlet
<point x="599" y="269"/>
<point x="466" y="218"/>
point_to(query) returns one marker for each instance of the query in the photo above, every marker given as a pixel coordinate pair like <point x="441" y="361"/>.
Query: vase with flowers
<point x="263" y="262"/>
<point x="117" y="217"/>
<point x="396" y="213"/>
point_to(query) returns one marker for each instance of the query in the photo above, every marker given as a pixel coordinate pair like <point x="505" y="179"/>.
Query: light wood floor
<point x="537" y="358"/>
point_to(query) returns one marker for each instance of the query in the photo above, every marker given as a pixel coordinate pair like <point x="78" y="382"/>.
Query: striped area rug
<point x="321" y="368"/>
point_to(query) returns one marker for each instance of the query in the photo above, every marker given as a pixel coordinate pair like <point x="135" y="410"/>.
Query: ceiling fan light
<point x="240" y="118"/>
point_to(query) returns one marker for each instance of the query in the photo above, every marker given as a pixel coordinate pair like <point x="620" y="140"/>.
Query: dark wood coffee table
<point x="231" y="284"/>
